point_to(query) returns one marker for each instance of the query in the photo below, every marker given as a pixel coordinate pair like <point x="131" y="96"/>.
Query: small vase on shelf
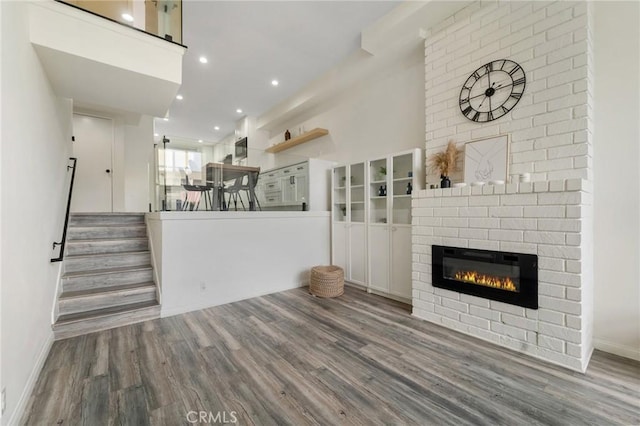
<point x="445" y="182"/>
<point x="287" y="135"/>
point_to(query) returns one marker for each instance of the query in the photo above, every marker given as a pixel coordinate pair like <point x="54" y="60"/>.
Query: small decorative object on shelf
<point x="445" y="162"/>
<point x="287" y="135"/>
<point x="381" y="191"/>
<point x="382" y="173"/>
<point x="409" y="188"/>
<point x="384" y="190"/>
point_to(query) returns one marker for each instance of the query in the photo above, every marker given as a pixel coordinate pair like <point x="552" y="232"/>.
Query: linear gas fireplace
<point x="505" y="277"/>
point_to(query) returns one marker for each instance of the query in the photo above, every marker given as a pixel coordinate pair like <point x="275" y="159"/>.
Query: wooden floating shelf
<point x="305" y="137"/>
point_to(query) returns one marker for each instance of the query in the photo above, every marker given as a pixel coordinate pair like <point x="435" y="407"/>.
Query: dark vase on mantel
<point x="445" y="182"/>
<point x="287" y="135"/>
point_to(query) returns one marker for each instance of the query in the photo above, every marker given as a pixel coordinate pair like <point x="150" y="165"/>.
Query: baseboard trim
<point x="391" y="296"/>
<point x="18" y="413"/>
<point x="183" y="309"/>
<point x="617" y="349"/>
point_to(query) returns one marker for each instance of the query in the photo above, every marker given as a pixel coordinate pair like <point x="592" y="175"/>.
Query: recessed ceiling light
<point x="203" y="60"/>
<point x="127" y="17"/>
<point x="216" y="128"/>
<point x="239" y="111"/>
<point x="179" y="97"/>
<point x="199" y="140"/>
<point x="274" y="82"/>
<point x="166" y="119"/>
<point x="156" y="135"/>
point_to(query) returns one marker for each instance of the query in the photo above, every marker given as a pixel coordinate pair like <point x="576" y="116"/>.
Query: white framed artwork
<point x="486" y="159"/>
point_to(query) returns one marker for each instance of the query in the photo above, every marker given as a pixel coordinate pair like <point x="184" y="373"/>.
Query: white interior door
<point x="92" y="190"/>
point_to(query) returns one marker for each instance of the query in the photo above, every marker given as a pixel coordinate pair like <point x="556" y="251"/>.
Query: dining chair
<point x="234" y="194"/>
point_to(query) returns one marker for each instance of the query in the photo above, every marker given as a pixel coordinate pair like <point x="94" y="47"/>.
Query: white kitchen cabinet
<point x="371" y="221"/>
<point x="288" y="187"/>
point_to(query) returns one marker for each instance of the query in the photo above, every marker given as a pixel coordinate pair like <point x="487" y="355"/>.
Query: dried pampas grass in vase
<point x="445" y="163"/>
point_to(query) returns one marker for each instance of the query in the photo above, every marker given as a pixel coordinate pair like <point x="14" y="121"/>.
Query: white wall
<point x="617" y="178"/>
<point x="381" y="115"/>
<point x="212" y="258"/>
<point x="548" y="127"/>
<point x="36" y="145"/>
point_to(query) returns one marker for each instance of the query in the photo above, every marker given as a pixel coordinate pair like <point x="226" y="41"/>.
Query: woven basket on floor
<point x="326" y="281"/>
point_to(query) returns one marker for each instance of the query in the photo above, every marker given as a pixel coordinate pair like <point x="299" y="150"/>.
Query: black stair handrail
<point x="66" y="218"/>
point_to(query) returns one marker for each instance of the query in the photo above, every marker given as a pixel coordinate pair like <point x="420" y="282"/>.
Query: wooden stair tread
<point x="105" y="312"/>
<point x="110" y="225"/>
<point x="115" y="254"/>
<point x="75" y="214"/>
<point x="106" y="290"/>
<point x="106" y="240"/>
<point x="106" y="271"/>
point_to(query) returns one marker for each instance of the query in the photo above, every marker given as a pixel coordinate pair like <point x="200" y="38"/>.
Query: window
<point x="176" y="160"/>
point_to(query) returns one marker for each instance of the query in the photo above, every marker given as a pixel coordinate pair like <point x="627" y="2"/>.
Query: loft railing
<point x="66" y="217"/>
<point x="159" y="18"/>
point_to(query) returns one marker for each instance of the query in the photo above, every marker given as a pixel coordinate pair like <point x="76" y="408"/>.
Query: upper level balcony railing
<point x="162" y="18"/>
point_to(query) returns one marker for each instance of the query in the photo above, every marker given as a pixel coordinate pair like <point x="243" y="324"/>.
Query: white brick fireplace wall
<point x="550" y="132"/>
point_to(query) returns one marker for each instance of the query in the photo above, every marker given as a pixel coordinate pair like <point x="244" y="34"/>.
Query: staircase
<point x="108" y="277"/>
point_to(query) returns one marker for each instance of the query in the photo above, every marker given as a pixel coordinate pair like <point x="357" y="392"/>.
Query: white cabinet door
<point x="339" y="246"/>
<point x="302" y="194"/>
<point x="357" y="253"/>
<point x="401" y="283"/>
<point x="379" y="257"/>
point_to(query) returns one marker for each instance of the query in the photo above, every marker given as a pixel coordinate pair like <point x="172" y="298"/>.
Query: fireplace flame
<point x="473" y="277"/>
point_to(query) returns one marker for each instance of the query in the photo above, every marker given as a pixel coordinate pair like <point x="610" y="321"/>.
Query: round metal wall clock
<point x="492" y="90"/>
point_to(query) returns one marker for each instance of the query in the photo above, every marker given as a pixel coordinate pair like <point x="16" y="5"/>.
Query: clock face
<point x="492" y="90"/>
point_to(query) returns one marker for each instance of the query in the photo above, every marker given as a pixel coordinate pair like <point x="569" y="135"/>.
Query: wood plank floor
<point x="290" y="358"/>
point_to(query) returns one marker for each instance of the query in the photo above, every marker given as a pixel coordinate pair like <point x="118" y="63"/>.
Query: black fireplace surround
<point x="506" y="277"/>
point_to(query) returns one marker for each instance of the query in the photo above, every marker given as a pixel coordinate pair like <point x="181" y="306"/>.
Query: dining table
<point x="219" y="173"/>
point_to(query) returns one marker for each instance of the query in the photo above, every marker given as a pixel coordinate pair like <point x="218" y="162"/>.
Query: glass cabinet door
<point x="339" y="194"/>
<point x="402" y="183"/>
<point x="356" y="191"/>
<point x="378" y="191"/>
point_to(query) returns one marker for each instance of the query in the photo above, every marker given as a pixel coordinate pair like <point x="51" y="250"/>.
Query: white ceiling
<point x="250" y="43"/>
